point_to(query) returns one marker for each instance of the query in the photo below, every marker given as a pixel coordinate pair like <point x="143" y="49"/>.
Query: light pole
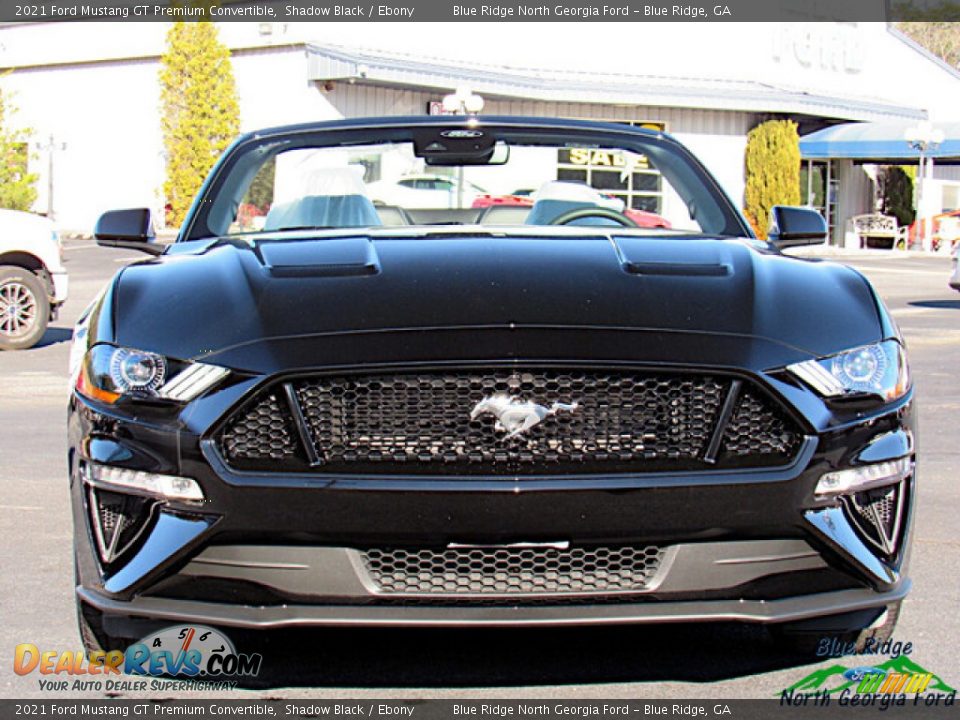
<point x="50" y="147"/>
<point x="924" y="138"/>
<point x="462" y="102"/>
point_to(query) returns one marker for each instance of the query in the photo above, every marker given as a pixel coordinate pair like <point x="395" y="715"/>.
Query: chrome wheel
<point x="18" y="309"/>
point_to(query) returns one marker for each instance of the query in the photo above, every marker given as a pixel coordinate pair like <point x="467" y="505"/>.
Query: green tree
<point x="17" y="184"/>
<point x="940" y="38"/>
<point x="200" y="110"/>
<point x="260" y="192"/>
<point x="772" y="167"/>
<point x="896" y="194"/>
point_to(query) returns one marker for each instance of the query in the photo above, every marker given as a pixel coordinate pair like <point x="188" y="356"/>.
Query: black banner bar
<point x="479" y="10"/>
<point x="366" y="709"/>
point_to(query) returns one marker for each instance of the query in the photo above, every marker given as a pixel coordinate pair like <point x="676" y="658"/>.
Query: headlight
<point x="879" y="369"/>
<point x="137" y="371"/>
<point x="107" y="373"/>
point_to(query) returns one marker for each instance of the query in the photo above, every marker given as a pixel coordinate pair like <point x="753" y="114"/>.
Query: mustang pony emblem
<point x="516" y="416"/>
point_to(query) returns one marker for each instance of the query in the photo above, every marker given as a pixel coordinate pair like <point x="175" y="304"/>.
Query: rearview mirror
<point x="130" y="228"/>
<point x="459" y="146"/>
<point x="793" y="226"/>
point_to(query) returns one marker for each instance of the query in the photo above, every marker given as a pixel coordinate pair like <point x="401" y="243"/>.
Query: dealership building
<point x="90" y="93"/>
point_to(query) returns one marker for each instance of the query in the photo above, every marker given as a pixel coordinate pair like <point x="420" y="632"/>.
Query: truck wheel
<point x="24" y="308"/>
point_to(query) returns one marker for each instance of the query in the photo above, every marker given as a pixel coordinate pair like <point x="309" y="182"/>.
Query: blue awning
<point x="875" y="141"/>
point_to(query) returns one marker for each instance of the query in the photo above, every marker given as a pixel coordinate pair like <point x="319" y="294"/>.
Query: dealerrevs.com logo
<point x="203" y="657"/>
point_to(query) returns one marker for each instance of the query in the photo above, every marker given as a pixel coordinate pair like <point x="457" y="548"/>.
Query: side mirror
<point x="131" y="229"/>
<point x="792" y="226"/>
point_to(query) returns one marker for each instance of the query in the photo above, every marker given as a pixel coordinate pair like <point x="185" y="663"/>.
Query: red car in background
<point x="524" y="198"/>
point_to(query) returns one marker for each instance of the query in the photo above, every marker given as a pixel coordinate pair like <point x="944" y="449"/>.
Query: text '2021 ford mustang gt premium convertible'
<point x="313" y="409"/>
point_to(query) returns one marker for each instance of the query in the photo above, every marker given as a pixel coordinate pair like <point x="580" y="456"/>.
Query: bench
<point x="876" y="230"/>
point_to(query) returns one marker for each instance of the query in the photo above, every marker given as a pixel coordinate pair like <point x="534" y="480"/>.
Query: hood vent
<point x="335" y="257"/>
<point x="682" y="258"/>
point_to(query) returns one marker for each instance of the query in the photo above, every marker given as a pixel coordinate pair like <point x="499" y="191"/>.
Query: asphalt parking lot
<point x="689" y="661"/>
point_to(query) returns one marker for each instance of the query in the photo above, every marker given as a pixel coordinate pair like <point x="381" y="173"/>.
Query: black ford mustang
<point x="323" y="407"/>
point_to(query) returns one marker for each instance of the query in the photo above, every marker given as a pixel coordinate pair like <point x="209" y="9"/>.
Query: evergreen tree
<point x="17" y="184"/>
<point x="772" y="166"/>
<point x="896" y="194"/>
<point x="200" y="110"/>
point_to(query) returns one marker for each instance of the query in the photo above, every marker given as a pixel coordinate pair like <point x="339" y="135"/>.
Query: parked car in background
<point x="33" y="281"/>
<point x="526" y="198"/>
<point x="424" y="191"/>
<point x="516" y="199"/>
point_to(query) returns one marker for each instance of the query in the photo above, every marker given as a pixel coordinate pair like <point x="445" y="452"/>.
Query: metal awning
<point x="327" y="62"/>
<point x="875" y="141"/>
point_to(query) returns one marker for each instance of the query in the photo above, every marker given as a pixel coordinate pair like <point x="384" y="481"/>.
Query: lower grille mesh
<point x="428" y="423"/>
<point x="878" y="515"/>
<point x="118" y="521"/>
<point x="512" y="570"/>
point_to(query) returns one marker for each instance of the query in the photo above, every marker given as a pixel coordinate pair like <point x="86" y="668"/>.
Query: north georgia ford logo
<point x="190" y="650"/>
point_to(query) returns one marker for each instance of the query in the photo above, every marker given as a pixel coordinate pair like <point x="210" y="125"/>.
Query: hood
<point x="300" y="301"/>
<point x="15" y="221"/>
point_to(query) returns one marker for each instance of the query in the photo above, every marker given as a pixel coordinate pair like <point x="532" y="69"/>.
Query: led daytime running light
<point x="193" y="381"/>
<point x="170" y="487"/>
<point x="858" y="479"/>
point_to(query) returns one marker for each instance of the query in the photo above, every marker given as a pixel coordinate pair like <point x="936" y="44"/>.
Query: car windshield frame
<point x="238" y="164"/>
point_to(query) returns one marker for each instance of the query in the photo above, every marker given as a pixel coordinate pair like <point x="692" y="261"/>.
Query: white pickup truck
<point x="33" y="281"/>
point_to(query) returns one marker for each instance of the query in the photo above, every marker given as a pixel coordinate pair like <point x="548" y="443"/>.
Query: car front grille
<point x="511" y="570"/>
<point x="421" y="423"/>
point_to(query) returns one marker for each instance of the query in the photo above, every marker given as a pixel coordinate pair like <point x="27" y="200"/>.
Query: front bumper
<point x="262" y="551"/>
<point x="61" y="284"/>
<point x="269" y="618"/>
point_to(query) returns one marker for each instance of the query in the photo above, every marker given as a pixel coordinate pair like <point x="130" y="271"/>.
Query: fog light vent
<point x="878" y="515"/>
<point x="118" y="521"/>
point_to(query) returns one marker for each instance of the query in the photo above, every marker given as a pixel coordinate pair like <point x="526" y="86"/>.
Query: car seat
<point x="556" y="197"/>
<point x="333" y="198"/>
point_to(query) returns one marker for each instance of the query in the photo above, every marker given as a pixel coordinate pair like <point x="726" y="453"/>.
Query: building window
<point x="819" y="189"/>
<point x="639" y="186"/>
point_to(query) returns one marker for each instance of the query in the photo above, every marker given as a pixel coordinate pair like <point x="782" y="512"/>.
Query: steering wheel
<point x="598" y="212"/>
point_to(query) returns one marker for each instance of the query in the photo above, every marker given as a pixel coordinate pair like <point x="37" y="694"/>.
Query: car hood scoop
<point x="334" y="257"/>
<point x="691" y="258"/>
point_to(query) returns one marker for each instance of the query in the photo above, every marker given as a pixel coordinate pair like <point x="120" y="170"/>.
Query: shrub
<point x="200" y="110"/>
<point x="772" y="168"/>
<point x="896" y="194"/>
<point x="17" y="184"/>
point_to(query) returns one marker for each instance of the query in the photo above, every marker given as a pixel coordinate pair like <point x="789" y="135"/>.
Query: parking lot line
<point x="902" y="271"/>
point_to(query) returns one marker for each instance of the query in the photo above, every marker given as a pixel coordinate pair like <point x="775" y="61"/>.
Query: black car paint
<point x="462" y="296"/>
<point x="220" y="303"/>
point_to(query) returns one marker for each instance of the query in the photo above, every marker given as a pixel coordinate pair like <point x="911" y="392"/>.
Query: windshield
<point x="502" y="178"/>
